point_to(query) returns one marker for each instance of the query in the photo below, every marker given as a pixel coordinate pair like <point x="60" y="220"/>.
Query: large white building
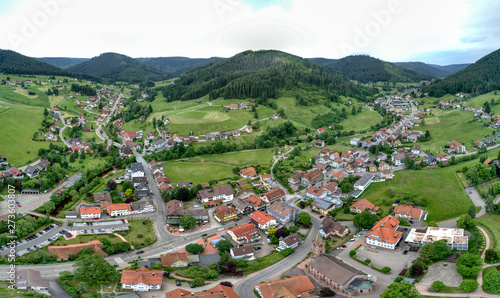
<point x="454" y="237"/>
<point x="225" y="193"/>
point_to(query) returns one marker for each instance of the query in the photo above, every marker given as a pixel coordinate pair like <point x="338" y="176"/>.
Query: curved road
<point x="245" y="287"/>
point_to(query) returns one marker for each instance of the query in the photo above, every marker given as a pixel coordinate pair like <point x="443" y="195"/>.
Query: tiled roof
<point x="245" y="230"/>
<point x="90" y="210"/>
<point x="295" y="286"/>
<point x="119" y="206"/>
<point x="171" y="258"/>
<point x="385" y="229"/>
<point x="261" y="217"/>
<point x="62" y="252"/>
<point x="363" y="205"/>
<point x="142" y="275"/>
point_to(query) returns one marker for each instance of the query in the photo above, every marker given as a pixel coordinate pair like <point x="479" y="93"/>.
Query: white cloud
<point x="394" y="30"/>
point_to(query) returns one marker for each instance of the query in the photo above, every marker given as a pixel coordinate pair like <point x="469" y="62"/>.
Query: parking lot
<point x="36" y="241"/>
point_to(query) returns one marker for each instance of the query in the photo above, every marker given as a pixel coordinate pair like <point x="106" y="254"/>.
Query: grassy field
<point x="215" y="167"/>
<point x="16" y="139"/>
<point x="302" y="116"/>
<point x="453" y="125"/>
<point x="492" y="221"/>
<point x="241" y="158"/>
<point x="15" y="94"/>
<point x="440" y="187"/>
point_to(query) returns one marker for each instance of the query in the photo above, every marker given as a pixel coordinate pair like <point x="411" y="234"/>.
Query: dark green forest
<point x="15" y="63"/>
<point x="478" y="78"/>
<point x="261" y="74"/>
<point x="116" y="67"/>
<point x="366" y="69"/>
<point x="176" y="66"/>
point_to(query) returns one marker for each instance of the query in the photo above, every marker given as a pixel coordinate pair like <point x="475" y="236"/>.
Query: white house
<point x="142" y="279"/>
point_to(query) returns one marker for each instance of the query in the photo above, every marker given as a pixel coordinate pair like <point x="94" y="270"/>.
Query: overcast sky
<point x="432" y="31"/>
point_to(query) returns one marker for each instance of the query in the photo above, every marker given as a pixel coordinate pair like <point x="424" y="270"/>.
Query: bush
<point x="438" y="286"/>
<point x="399" y="279"/>
<point x="491" y="282"/>
<point x="198" y="281"/>
<point x="468" y="285"/>
<point x="195" y="248"/>
<point x="490" y="256"/>
<point x="352" y="253"/>
<point x="140" y="236"/>
<point x="386" y="270"/>
<point x="368" y="261"/>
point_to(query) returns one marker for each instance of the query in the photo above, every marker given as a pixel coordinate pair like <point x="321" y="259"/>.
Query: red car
<point x="18" y="205"/>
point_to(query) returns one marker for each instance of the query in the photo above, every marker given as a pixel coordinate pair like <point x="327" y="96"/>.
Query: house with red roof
<point x="244" y="233"/>
<point x="263" y="220"/>
<point x="385" y="233"/>
<point x="142" y="279"/>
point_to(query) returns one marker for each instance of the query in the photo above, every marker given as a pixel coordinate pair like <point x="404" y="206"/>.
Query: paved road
<point x="478" y="201"/>
<point x="159" y="220"/>
<point x="245" y="287"/>
<point x="61" y="134"/>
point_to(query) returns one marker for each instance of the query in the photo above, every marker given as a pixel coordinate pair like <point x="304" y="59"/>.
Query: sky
<point x="438" y="32"/>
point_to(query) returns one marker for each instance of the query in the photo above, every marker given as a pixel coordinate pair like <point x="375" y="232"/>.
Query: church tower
<point x="318" y="246"/>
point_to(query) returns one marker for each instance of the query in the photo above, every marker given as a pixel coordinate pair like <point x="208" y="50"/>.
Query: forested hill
<point x="14" y="63"/>
<point x="423" y="68"/>
<point x="176" y="66"/>
<point x="118" y="67"/>
<point x="366" y="69"/>
<point x="261" y="74"/>
<point x="478" y="78"/>
<point x="437" y="71"/>
<point x="63" y="62"/>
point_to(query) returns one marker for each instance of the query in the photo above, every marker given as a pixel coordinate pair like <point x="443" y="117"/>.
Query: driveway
<point x="477" y="200"/>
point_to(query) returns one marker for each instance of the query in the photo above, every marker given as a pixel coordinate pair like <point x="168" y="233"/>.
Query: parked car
<point x="321" y="216"/>
<point x="19" y="205"/>
<point x="405" y="252"/>
<point x="192" y="285"/>
<point x="139" y="252"/>
<point x="204" y="235"/>
<point x="411" y="221"/>
<point x="258" y="248"/>
<point x="178" y="283"/>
